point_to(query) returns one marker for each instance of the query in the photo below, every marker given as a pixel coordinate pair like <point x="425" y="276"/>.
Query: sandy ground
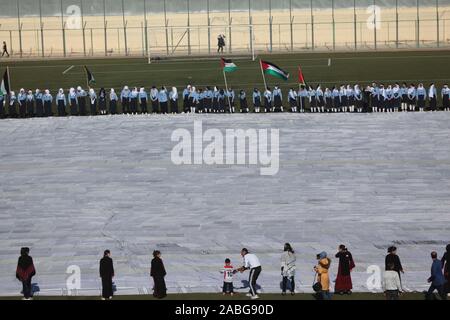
<point x="72" y="187"/>
<point x="176" y="40"/>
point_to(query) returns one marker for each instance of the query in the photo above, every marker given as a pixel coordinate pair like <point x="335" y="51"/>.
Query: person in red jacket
<point x="25" y="271"/>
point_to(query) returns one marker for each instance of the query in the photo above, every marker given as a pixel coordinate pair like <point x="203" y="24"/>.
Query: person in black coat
<point x="25" y="271"/>
<point x="158" y="272"/>
<point x="107" y="274"/>
<point x="393" y="258"/>
<point x="446" y="266"/>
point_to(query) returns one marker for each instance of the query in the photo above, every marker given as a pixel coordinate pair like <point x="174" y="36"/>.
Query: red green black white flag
<point x="274" y="70"/>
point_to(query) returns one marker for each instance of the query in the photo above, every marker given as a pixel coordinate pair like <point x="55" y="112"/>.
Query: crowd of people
<point x="344" y="98"/>
<point x="392" y="284"/>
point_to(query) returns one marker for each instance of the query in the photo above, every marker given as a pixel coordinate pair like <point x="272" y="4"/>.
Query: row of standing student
<point x="346" y="98"/>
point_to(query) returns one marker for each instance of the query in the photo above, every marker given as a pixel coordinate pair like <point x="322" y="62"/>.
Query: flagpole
<point x="9" y="79"/>
<point x="264" y="77"/>
<point x="226" y="87"/>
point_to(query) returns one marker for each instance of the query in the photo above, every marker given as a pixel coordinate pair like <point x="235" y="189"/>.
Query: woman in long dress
<point x="288" y="269"/>
<point x="158" y="272"/>
<point x="343" y="283"/>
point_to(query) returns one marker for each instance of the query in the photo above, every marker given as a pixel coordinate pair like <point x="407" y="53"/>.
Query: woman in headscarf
<point x="61" y="103"/>
<point x="143" y="97"/>
<point x="81" y="98"/>
<point x="323" y="277"/>
<point x="25" y="271"/>
<point x="134" y="96"/>
<point x="125" y="100"/>
<point x="154" y="93"/>
<point x="158" y="272"/>
<point x="48" y="101"/>
<point x="12" y="105"/>
<point x="73" y="102"/>
<point x="113" y="98"/>
<point x="102" y="101"/>
<point x="243" y="101"/>
<point x="288" y="269"/>
<point x="93" y="102"/>
<point x="173" y="96"/>
<point x="343" y="283"/>
<point x="39" y="103"/>
<point x="22" y="97"/>
<point x="30" y="104"/>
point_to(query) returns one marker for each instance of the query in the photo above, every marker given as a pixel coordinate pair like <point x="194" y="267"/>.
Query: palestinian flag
<point x="301" y="78"/>
<point x="228" y="65"/>
<point x="273" y="70"/>
<point x="4" y="86"/>
<point x="90" y="76"/>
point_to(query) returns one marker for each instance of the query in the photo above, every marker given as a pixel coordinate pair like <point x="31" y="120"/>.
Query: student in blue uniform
<point x="2" y="105"/>
<point x="421" y="96"/>
<point x="215" y="104"/>
<point x="81" y="98"/>
<point x="113" y="99"/>
<point x="186" y="94"/>
<point x="163" y="99"/>
<point x="359" y="99"/>
<point x="208" y="100"/>
<point x="404" y="95"/>
<point x="92" y="102"/>
<point x="125" y="100"/>
<point x="12" y="113"/>
<point x="61" y="103"/>
<point x="154" y="93"/>
<point x="292" y="97"/>
<point x="319" y="99"/>
<point x="277" y="99"/>
<point x="173" y="97"/>
<point x="193" y="100"/>
<point x="39" y="103"/>
<point x="328" y="97"/>
<point x="21" y="98"/>
<point x="230" y="100"/>
<point x="268" y="100"/>
<point x="48" y="101"/>
<point x="445" y="94"/>
<point x="382" y="99"/>
<point x="30" y="104"/>
<point x="412" y="97"/>
<point x="256" y="98"/>
<point x="397" y="94"/>
<point x="302" y="98"/>
<point x="344" y="99"/>
<point x="350" y="98"/>
<point x="221" y="101"/>
<point x="336" y="99"/>
<point x="243" y="105"/>
<point x="73" y="102"/>
<point x="201" y="101"/>
<point x="374" y="97"/>
<point x="102" y="101"/>
<point x="432" y="97"/>
<point x="312" y="100"/>
<point x="134" y="96"/>
<point x="143" y="98"/>
<point x="389" y="96"/>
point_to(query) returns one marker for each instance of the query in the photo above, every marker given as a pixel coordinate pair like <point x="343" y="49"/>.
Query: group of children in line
<point x="344" y="98"/>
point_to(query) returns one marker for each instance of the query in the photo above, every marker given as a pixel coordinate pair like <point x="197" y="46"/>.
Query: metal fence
<point x="64" y="28"/>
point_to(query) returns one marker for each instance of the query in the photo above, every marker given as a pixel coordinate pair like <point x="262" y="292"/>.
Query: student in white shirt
<point x="251" y="262"/>
<point x="391" y="285"/>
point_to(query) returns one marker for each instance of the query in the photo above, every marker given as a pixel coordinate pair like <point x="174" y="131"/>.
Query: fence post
<point x="334" y="25"/>
<point x="166" y="23"/>
<point x="292" y="27"/>
<point x="189" y="26"/>
<point x="437" y="23"/>
<point x="354" y="24"/>
<point x="396" y="24"/>
<point x="64" y="39"/>
<point x="417" y="26"/>
<point x="312" y="26"/>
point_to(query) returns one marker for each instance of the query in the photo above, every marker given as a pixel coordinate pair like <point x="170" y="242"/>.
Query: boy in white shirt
<point x="228" y="273"/>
